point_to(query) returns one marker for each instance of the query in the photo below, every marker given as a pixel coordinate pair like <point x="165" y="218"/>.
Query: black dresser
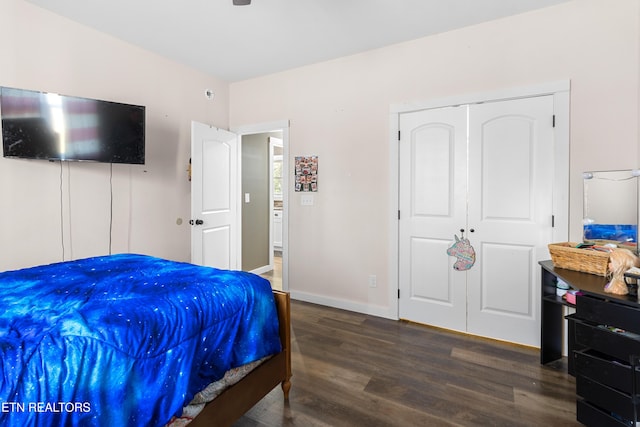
<point x="603" y="345"/>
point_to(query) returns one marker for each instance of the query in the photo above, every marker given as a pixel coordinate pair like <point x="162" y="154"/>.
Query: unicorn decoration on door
<point x="465" y="253"/>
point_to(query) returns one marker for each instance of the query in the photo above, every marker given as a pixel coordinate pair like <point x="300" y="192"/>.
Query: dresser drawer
<point x="615" y="401"/>
<point x="599" y="338"/>
<point x="605" y="370"/>
<point x="608" y="312"/>
<point x="589" y="415"/>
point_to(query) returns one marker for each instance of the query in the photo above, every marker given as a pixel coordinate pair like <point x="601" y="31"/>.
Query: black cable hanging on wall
<point x="62" y="209"/>
<point x="110" y="205"/>
<point x="61" y="212"/>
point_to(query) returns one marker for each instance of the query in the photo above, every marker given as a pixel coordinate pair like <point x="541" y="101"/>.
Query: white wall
<point x="42" y="51"/>
<point x="339" y="111"/>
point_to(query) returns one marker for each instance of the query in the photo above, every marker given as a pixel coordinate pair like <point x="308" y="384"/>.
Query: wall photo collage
<point x="306" y="171"/>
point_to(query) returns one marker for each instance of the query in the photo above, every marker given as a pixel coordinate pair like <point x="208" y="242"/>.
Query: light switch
<point x="247" y="197"/>
<point x="306" y="200"/>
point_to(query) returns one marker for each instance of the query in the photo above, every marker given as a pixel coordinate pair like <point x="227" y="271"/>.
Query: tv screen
<point x="40" y="125"/>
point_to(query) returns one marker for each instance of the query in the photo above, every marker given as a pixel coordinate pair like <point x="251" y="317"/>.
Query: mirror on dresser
<point x="610" y="212"/>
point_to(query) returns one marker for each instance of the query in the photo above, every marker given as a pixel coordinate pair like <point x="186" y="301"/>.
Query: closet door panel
<point x="510" y="210"/>
<point x="433" y="179"/>
<point x="506" y="297"/>
<point x="506" y="168"/>
<point x="432" y="168"/>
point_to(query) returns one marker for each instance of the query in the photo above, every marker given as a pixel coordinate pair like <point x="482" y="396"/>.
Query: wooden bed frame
<point x="231" y="404"/>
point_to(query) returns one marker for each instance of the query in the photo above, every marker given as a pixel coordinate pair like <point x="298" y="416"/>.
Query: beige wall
<point x="256" y="218"/>
<point x="339" y="110"/>
<point x="42" y="51"/>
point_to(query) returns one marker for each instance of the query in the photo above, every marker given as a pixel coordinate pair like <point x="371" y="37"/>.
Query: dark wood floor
<point x="351" y="369"/>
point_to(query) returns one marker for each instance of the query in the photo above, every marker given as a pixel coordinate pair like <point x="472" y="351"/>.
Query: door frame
<point x="279" y="126"/>
<point x="561" y="93"/>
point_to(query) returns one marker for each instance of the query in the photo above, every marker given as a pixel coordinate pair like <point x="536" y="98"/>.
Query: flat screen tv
<point x="40" y="125"/>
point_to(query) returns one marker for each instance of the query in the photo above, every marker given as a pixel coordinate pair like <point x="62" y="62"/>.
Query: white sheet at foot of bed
<point x="212" y="391"/>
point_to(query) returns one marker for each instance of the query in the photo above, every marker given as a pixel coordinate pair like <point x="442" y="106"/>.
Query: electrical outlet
<point x="373" y="282"/>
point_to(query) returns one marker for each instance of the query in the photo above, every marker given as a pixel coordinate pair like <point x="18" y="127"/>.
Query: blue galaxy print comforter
<point x="124" y="340"/>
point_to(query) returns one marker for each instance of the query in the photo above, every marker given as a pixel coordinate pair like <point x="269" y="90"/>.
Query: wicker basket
<point x="566" y="255"/>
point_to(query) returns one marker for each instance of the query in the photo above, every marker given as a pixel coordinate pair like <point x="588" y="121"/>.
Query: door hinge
<point x="398" y="293"/>
<point x="398" y="214"/>
<point x="553" y="121"/>
<point x="553" y="221"/>
<point x="398" y="135"/>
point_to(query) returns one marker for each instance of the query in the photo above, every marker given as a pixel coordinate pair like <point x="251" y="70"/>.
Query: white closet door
<point x="487" y="168"/>
<point x="510" y="209"/>
<point x="433" y="183"/>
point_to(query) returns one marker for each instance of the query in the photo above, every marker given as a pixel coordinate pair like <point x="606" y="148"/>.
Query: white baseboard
<point x="372" y="310"/>
<point x="261" y="270"/>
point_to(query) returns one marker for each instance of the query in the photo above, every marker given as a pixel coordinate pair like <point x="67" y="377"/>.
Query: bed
<point x="131" y="339"/>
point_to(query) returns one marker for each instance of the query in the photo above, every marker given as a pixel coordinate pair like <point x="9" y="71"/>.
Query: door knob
<point x="196" y="222"/>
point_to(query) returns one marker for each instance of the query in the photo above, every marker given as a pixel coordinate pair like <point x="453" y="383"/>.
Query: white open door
<point x="214" y="197"/>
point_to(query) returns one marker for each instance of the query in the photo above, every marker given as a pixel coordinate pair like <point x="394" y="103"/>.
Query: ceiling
<point x="241" y="42"/>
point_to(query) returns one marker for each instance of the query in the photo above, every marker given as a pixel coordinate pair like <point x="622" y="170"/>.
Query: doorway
<point x="264" y="202"/>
